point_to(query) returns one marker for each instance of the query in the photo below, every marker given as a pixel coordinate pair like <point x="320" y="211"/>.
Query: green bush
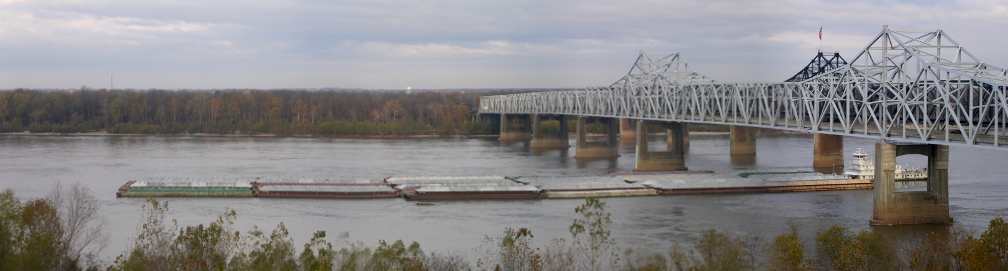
<point x="63" y="128"/>
<point x="396" y="257"/>
<point x="127" y="128"/>
<point x="196" y="127"/>
<point x="842" y="250"/>
<point x="89" y="126"/>
<point x="595" y="128"/>
<point x="279" y="127"/>
<point x="989" y="252"/>
<point x="35" y="235"/>
<point x="172" y="128"/>
<point x="550" y="127"/>
<point x="244" y="127"/>
<point x="40" y="128"/>
<point x="787" y="252"/>
<point x="223" y="127"/>
<point x="446" y="128"/>
<point x="13" y="126"/>
<point x="477" y="128"/>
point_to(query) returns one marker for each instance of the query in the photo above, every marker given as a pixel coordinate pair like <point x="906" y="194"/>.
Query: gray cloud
<point x="446" y="44"/>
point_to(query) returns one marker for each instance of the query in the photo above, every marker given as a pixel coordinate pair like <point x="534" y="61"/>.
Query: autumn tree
<point x="391" y="110"/>
<point x="462" y="114"/>
<point x="592" y="238"/>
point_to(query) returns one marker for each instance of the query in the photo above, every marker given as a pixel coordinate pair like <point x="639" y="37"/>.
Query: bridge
<point x="918" y="92"/>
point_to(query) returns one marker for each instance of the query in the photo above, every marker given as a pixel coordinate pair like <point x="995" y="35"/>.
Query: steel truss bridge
<point x="905" y="86"/>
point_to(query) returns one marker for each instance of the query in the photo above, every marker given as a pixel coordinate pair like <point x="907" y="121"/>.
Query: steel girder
<point x="819" y="65"/>
<point x="905" y="86"/>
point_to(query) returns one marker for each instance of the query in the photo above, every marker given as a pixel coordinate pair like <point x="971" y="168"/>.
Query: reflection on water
<point x="30" y="165"/>
<point x="608" y="162"/>
<point x="743" y="159"/>
<point x="911" y="186"/>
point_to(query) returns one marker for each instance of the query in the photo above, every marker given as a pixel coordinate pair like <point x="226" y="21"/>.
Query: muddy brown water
<point x="31" y="165"/>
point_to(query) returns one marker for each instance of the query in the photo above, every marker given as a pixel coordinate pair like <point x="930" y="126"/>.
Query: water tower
<point x="409" y="90"/>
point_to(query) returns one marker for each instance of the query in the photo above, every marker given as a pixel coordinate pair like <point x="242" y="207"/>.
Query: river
<point x="32" y="164"/>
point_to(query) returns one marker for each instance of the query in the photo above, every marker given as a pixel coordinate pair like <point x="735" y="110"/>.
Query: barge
<point x="462" y="188"/>
<point x="186" y="187"/>
<point x="322" y="188"/>
<point x="424" y="188"/>
<point x="583" y="187"/>
<point x="749" y="182"/>
<point x="471" y="192"/>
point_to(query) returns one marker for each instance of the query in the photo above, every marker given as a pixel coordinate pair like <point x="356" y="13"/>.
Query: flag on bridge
<point x="820" y="32"/>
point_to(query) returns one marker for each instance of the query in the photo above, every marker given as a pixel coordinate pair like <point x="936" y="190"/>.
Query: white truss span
<point x="906" y="86"/>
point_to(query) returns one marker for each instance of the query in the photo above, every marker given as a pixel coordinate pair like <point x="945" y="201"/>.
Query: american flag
<point x="820" y="32"/>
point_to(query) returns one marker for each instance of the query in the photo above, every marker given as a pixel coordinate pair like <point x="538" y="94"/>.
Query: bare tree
<point x="83" y="227"/>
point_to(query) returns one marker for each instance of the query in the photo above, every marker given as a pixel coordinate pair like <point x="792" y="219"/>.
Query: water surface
<point x="31" y="165"/>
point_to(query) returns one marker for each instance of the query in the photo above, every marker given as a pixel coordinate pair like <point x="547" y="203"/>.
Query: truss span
<point x="905" y="86"/>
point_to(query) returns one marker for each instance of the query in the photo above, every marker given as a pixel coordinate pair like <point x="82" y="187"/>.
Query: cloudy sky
<point x="378" y="44"/>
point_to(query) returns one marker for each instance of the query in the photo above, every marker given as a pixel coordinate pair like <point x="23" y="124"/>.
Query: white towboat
<point x="863" y="168"/>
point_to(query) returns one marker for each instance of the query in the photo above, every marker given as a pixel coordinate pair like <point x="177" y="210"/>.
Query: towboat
<point x="863" y="168"/>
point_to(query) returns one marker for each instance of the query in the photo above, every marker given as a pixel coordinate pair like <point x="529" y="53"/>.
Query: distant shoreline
<point x="105" y="133"/>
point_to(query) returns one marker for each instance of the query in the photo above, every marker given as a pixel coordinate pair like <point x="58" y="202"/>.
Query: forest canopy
<point x="279" y="112"/>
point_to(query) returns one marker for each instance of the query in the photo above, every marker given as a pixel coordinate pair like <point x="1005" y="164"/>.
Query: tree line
<point x="63" y="231"/>
<point x="279" y="112"/>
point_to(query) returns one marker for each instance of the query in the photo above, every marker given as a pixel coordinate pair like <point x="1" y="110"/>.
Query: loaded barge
<point x="425" y="188"/>
<point x="321" y="188"/>
<point x="463" y="188"/>
<point x="186" y="187"/>
<point x="747" y="182"/>
<point x="589" y="186"/>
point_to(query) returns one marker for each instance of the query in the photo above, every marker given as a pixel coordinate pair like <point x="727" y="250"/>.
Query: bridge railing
<point x="950" y="113"/>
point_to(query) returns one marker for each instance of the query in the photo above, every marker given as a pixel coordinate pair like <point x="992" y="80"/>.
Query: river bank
<point x="106" y="133"/>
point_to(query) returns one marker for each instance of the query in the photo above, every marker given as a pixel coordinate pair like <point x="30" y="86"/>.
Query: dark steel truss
<point x="819" y="65"/>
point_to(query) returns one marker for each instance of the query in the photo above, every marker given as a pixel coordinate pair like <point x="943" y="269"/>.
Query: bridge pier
<point x="626" y="130"/>
<point x="514" y="128"/>
<point x="743" y="140"/>
<point x="608" y="148"/>
<point x="827" y="153"/>
<point x="672" y="160"/>
<point x="542" y="140"/>
<point x="918" y="207"/>
<point x="671" y="135"/>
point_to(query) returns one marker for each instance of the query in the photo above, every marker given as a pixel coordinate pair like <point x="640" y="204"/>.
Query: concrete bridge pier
<point x="627" y="130"/>
<point x="514" y="128"/>
<point x="827" y="153"/>
<point x="671" y="136"/>
<point x="672" y="160"/>
<point x="917" y="207"/>
<point x="541" y="140"/>
<point x="743" y="140"/>
<point x="606" y="149"/>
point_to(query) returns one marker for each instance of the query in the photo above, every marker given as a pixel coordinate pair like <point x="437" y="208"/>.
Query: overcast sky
<point x="448" y="44"/>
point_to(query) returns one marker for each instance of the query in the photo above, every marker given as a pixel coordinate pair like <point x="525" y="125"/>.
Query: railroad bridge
<point x="917" y="92"/>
